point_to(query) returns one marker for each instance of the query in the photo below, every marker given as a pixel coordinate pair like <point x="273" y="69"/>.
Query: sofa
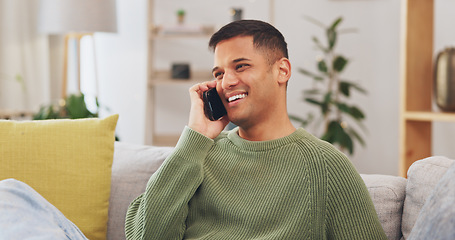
<point x="397" y="200"/>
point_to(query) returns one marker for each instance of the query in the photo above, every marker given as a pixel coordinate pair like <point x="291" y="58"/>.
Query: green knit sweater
<point x="296" y="187"/>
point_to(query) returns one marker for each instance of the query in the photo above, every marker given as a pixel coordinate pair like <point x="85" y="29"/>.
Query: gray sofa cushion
<point x="387" y="193"/>
<point x="423" y="175"/>
<point x="132" y="167"/>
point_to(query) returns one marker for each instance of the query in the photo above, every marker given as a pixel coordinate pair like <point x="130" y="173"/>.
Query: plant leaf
<point x="323" y="105"/>
<point x="357" y="136"/>
<point x="354" y="112"/>
<point x="322" y="66"/>
<point x="347" y="84"/>
<point x="332" y="33"/>
<point x="330" y="133"/>
<point x="336" y="22"/>
<point x="314" y="21"/>
<point x="346" y="142"/>
<point x="332" y="38"/>
<point x="310" y="74"/>
<point x="343" y="107"/>
<point x="342" y="137"/>
<point x="339" y="63"/>
<point x="75" y="105"/>
<point x="303" y="121"/>
<point x="313" y="101"/>
<point x="319" y="45"/>
<point x="357" y="113"/>
<point x="336" y="134"/>
<point x="328" y="97"/>
<point x="344" y="88"/>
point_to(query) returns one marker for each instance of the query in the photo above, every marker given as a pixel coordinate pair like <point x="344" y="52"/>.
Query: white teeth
<point x="236" y="97"/>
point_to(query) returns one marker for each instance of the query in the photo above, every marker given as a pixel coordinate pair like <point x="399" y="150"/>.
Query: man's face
<point x="246" y="81"/>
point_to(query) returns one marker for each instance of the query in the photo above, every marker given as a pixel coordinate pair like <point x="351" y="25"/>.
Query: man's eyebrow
<point x="240" y="60"/>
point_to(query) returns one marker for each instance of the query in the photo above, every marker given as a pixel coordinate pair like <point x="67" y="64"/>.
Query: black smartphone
<point x="213" y="106"/>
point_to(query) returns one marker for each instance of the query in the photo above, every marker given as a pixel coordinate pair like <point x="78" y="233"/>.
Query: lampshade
<point x="65" y="16"/>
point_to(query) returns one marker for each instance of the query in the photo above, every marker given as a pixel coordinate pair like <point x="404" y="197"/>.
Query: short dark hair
<point x="265" y="37"/>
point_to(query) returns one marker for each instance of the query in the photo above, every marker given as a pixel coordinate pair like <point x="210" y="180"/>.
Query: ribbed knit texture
<point x="296" y="187"/>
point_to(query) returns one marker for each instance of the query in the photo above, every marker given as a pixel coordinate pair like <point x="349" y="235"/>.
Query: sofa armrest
<point x="388" y="194"/>
<point x="131" y="169"/>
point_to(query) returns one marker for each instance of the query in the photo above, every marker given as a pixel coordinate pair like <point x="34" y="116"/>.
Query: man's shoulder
<point x="310" y="142"/>
<point x="320" y="150"/>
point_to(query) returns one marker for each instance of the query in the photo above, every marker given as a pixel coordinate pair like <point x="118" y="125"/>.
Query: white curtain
<point x="24" y="57"/>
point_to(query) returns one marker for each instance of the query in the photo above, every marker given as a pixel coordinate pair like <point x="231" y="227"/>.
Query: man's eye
<point x="240" y="66"/>
<point x="218" y="75"/>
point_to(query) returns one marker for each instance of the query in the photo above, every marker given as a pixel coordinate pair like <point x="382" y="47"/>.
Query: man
<point x="262" y="180"/>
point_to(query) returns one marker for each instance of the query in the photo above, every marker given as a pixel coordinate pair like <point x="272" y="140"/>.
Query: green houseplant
<point x="180" y="16"/>
<point x="72" y="107"/>
<point x="330" y="93"/>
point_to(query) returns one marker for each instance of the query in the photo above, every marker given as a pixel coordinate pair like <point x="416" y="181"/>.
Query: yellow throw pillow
<point x="68" y="162"/>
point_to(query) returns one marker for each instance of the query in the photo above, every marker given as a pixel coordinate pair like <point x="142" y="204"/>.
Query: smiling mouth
<point x="237" y="97"/>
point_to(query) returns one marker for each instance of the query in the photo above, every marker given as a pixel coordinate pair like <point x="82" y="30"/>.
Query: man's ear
<point x="284" y="70"/>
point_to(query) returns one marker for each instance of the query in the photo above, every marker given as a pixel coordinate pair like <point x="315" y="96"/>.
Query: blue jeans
<point x="24" y="214"/>
<point x="437" y="218"/>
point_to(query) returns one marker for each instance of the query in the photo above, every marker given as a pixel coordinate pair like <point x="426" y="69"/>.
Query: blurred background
<point x="117" y="66"/>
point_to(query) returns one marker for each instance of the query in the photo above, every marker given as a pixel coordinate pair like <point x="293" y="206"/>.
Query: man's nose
<point x="230" y="80"/>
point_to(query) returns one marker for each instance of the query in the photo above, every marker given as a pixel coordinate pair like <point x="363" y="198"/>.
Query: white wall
<point x="373" y="51"/>
<point x="122" y="59"/>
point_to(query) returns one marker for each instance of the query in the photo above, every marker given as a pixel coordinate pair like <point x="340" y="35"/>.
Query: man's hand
<point x="198" y="121"/>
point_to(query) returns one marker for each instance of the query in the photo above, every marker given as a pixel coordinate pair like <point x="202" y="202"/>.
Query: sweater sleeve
<point x="160" y="212"/>
<point x="350" y="210"/>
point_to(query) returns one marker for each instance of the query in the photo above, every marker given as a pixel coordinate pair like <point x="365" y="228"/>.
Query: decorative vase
<point x="444" y="80"/>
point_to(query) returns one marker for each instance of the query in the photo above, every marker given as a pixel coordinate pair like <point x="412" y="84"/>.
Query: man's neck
<point x="267" y="130"/>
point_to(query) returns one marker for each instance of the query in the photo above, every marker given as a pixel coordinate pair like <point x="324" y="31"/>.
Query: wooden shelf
<point x="416" y="117"/>
<point x="160" y="78"/>
<point x="429" y="116"/>
<point x="160" y="32"/>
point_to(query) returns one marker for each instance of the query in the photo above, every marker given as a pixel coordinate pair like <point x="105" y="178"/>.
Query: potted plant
<point x="72" y="107"/>
<point x="330" y="93"/>
<point x="181" y="16"/>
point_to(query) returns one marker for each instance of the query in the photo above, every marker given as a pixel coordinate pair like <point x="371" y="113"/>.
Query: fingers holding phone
<point x="207" y="110"/>
<point x="213" y="106"/>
